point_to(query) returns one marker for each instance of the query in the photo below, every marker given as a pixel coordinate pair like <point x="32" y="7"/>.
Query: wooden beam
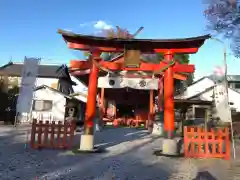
<point x="178" y="51"/>
<point x="80" y="64"/>
<point x="84" y="47"/>
<point x="80" y="72"/>
<point x="179" y="76"/>
<point x="183" y="68"/>
<point x="114" y="66"/>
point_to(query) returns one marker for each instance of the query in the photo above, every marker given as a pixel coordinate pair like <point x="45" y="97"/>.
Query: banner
<point x="134" y="83"/>
<point x="223" y="111"/>
<point x="28" y="79"/>
<point x="221" y="102"/>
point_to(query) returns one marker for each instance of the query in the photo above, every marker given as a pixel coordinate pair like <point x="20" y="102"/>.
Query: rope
<point x="101" y="67"/>
<point x="171" y="63"/>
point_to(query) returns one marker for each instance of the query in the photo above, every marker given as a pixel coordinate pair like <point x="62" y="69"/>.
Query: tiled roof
<point x="15" y="69"/>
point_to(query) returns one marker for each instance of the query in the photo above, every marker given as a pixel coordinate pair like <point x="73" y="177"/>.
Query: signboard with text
<point x="223" y="111"/>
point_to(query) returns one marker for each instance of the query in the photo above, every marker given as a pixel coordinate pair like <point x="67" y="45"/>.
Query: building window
<point x="237" y="85"/>
<point x="200" y="113"/>
<point x="42" y="105"/>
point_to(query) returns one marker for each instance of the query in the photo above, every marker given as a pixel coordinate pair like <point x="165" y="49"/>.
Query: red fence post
<point x="212" y="141"/>
<point x="185" y="140"/>
<point x="39" y="134"/>
<point x="33" y="132"/>
<point x="59" y="127"/>
<point x="52" y="135"/>
<point x="71" y="126"/>
<point x="45" y="135"/>
<point x="61" y="131"/>
<point x="227" y="144"/>
<point x="65" y="133"/>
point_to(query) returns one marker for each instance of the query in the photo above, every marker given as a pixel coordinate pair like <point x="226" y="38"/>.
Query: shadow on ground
<point x="113" y="136"/>
<point x="129" y="156"/>
<point x="124" y="160"/>
<point x="204" y="175"/>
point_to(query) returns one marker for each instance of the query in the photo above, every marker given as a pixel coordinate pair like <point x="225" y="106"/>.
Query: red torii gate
<point x="97" y="45"/>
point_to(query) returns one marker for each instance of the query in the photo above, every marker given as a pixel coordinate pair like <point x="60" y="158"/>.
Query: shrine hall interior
<point x="127" y="102"/>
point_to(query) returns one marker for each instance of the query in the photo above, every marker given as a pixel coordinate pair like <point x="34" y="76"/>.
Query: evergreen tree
<point x="8" y="95"/>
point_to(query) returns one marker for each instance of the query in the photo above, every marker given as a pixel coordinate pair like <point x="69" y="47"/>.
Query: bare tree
<point x="224" y="19"/>
<point x="153" y="58"/>
<point x="112" y="33"/>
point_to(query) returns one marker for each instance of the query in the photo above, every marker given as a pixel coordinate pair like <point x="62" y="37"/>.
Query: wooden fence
<point x="52" y="135"/>
<point x="199" y="143"/>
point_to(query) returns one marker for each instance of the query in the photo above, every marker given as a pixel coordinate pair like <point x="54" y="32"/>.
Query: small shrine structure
<point x="129" y="67"/>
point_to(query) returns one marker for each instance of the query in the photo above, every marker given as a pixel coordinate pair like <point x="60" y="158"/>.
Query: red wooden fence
<point x="56" y="136"/>
<point x="199" y="143"/>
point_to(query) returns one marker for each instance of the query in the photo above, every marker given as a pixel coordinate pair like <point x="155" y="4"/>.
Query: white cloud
<point x="102" y="25"/>
<point x="87" y="24"/>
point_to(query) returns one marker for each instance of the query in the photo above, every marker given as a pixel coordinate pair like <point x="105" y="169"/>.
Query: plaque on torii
<point x="131" y="56"/>
<point x="131" y="61"/>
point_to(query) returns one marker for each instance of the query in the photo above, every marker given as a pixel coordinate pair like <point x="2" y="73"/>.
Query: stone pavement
<point x="129" y="156"/>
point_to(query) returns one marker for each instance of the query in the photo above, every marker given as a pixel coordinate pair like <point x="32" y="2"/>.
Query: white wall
<point x="233" y="96"/>
<point x="58" y="110"/>
<point x="46" y="81"/>
<point x="40" y="81"/>
<point x="197" y="88"/>
<point x="80" y="87"/>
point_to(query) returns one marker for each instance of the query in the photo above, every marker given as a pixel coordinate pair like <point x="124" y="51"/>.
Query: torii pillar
<point x="169" y="144"/>
<point x="87" y="138"/>
<point x="169" y="97"/>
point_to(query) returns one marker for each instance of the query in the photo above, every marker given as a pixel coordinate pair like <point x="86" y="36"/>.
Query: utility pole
<point x="226" y="89"/>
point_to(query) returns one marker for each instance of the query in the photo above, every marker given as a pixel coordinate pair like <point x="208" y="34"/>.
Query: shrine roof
<point x="141" y="44"/>
<point x="192" y="101"/>
<point x="44" y="70"/>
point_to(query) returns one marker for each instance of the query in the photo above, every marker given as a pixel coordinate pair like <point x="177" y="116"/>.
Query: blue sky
<point x="29" y="27"/>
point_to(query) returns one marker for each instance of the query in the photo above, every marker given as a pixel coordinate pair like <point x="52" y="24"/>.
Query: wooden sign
<point x="131" y="56"/>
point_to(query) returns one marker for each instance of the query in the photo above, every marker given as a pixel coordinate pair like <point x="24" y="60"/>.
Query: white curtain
<point x="122" y="82"/>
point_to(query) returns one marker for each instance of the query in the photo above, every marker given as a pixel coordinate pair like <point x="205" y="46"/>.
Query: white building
<point x="53" y="87"/>
<point x="50" y="104"/>
<point x="202" y="89"/>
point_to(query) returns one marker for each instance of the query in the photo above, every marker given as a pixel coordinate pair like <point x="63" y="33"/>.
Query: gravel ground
<point x="128" y="157"/>
<point x="234" y="165"/>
